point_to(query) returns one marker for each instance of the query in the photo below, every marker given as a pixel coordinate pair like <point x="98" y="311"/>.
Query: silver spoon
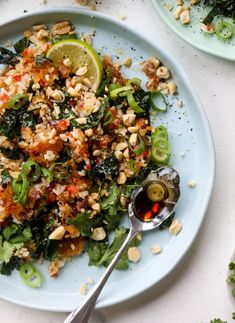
<point x="165" y="180"/>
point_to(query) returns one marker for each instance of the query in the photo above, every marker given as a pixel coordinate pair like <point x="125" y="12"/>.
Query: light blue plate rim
<point x="150" y="281"/>
<point x="187" y="39"/>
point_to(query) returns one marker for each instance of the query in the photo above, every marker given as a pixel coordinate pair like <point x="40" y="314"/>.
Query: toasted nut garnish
<point x="58" y="233"/>
<point x="99" y="234"/>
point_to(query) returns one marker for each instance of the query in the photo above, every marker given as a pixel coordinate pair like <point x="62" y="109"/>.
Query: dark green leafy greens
<point x="100" y="253"/>
<point x="143" y="98"/>
<point x="94" y="119"/>
<point x="40" y="233"/>
<point x="217" y="321"/>
<point x="108" y="166"/>
<point x="231" y="277"/>
<point x="110" y="207"/>
<point x="7" y="57"/>
<point x="7" y="249"/>
<point x="13" y="120"/>
<point x="6" y="177"/>
<point x="11" y="153"/>
<point x="7" y="268"/>
<point x="105" y="82"/>
<point x="84" y="223"/>
<point x="16" y="233"/>
<point x="21" y="44"/>
<point x="219" y="7"/>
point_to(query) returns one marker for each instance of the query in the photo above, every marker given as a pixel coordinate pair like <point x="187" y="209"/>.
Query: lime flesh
<point x="80" y="54"/>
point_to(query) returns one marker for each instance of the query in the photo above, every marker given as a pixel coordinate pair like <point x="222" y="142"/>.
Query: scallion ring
<point x="108" y="118"/>
<point x="156" y="192"/>
<point x="160" y="106"/>
<point x="121" y="91"/>
<point x="224" y="30"/>
<point x="114" y="86"/>
<point x="20" y="189"/>
<point x="132" y="103"/>
<point x="134" y="81"/>
<point x="31" y="170"/>
<point x="18" y="101"/>
<point x="48" y="174"/>
<point x="160" y="151"/>
<point x="30" y="276"/>
<point x="60" y="171"/>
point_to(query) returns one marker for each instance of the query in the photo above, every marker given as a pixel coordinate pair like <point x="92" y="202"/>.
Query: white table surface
<point x="196" y="291"/>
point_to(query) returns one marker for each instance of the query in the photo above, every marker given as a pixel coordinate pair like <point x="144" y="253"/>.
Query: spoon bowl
<point x="166" y="177"/>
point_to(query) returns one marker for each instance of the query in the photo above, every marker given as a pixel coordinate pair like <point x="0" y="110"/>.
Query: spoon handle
<point x="82" y="313"/>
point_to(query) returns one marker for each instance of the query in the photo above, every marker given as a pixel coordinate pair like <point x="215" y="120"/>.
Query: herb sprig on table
<point x="220" y="7"/>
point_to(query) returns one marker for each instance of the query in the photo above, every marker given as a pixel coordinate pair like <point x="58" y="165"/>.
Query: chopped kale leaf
<point x="7" y="268"/>
<point x="13" y="154"/>
<point x="7" y="57"/>
<point x="109" y="166"/>
<point x="21" y="44"/>
<point x="6" y="177"/>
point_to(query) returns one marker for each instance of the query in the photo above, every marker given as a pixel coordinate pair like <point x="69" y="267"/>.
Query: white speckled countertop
<point x="196" y="291"/>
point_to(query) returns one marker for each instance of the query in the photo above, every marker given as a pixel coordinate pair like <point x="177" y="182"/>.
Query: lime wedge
<point x="80" y="54"/>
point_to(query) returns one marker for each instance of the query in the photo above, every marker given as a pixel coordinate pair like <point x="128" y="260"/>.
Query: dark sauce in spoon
<point x="145" y="208"/>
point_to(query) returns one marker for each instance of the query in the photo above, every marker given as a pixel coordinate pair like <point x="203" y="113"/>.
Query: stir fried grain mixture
<point x="69" y="155"/>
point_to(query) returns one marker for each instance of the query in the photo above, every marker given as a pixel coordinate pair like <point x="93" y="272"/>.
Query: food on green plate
<point x="231" y="277"/>
<point x="211" y="23"/>
<point x="75" y="140"/>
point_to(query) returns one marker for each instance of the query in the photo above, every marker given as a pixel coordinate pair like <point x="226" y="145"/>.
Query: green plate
<point x="192" y="33"/>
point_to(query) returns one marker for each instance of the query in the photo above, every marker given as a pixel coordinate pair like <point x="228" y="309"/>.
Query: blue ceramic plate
<point x="192" y="33"/>
<point x="192" y="155"/>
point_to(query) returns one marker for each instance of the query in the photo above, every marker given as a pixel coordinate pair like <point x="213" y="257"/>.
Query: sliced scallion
<point x="134" y="80"/>
<point x="160" y="145"/>
<point x="224" y="30"/>
<point x="30" y="275"/>
<point x="18" y="101"/>
<point x="158" y="101"/>
<point x="132" y="103"/>
<point x="120" y="91"/>
<point x="60" y="171"/>
<point x="20" y="187"/>
<point x="139" y="147"/>
<point x="31" y="170"/>
<point x="47" y="173"/>
<point x="108" y="118"/>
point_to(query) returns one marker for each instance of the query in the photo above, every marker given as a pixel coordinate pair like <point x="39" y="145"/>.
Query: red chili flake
<point x="62" y="125"/>
<point x="155" y="208"/>
<point x="42" y="83"/>
<point x="72" y="189"/>
<point x="16" y="77"/>
<point x="25" y="52"/>
<point x="72" y="102"/>
<point x="88" y="167"/>
<point x="4" y="97"/>
<point x="63" y="221"/>
<point x="146" y="153"/>
<point x="35" y="152"/>
<point x="113" y="111"/>
<point x="104" y="143"/>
